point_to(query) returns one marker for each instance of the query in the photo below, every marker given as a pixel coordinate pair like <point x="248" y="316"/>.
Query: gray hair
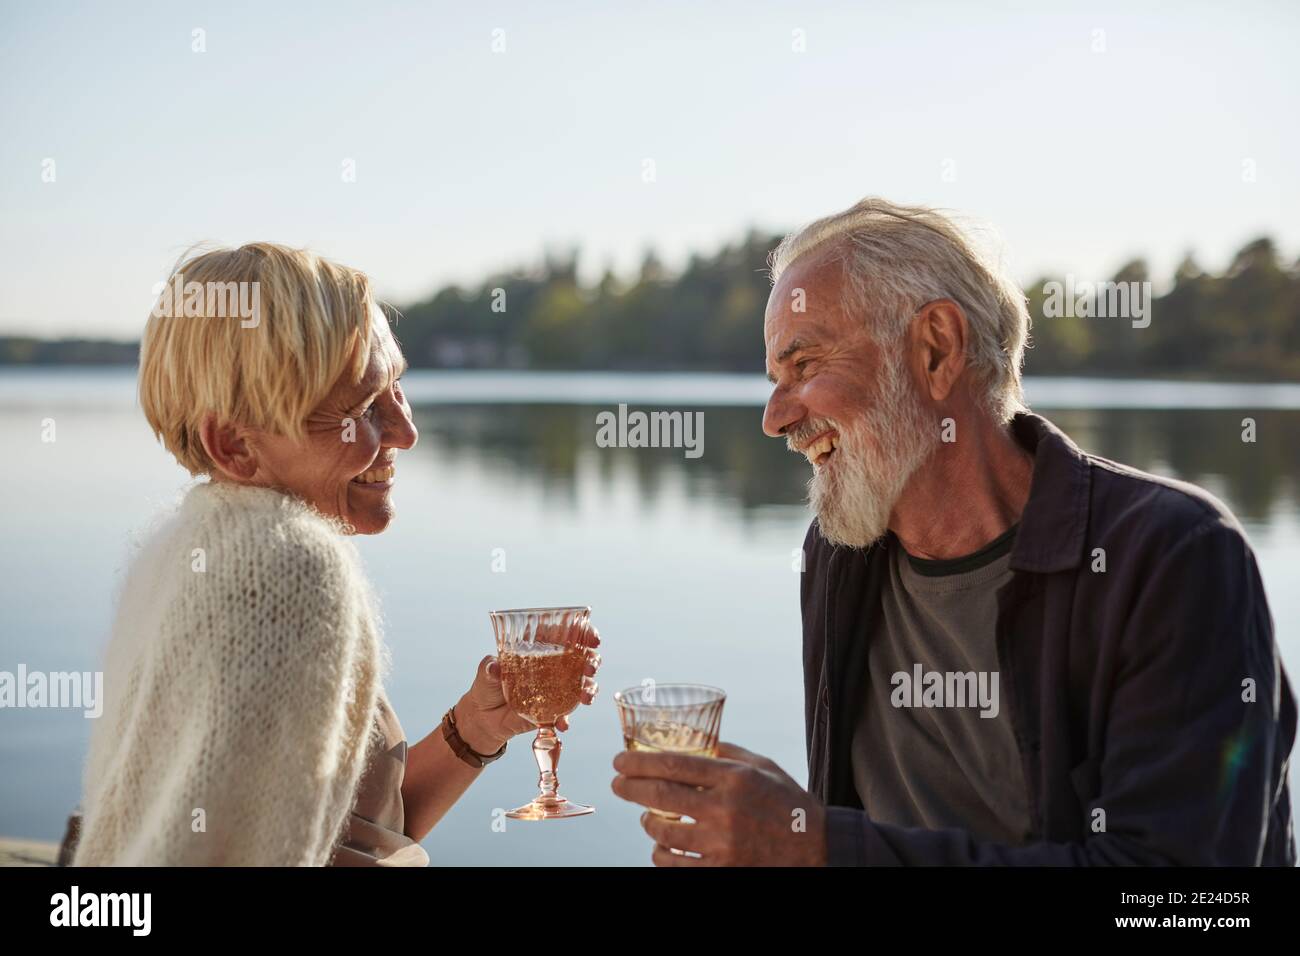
<point x="897" y="258"/>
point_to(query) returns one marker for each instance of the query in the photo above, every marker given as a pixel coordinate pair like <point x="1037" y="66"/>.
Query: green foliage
<point x="23" y="350"/>
<point x="710" y="317"/>
<point x="1243" y="323"/>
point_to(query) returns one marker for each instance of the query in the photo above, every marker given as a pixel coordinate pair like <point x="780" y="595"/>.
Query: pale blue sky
<point x="468" y="161"/>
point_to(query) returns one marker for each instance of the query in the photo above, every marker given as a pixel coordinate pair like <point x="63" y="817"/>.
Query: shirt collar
<point x="1054" y="523"/>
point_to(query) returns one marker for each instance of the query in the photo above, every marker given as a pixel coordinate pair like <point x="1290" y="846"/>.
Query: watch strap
<point x="462" y="749"/>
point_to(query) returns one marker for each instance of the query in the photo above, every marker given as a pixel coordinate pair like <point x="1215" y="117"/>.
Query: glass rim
<point x="621" y="696"/>
<point x="533" y="610"/>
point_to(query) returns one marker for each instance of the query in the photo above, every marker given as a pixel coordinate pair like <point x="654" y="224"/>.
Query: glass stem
<point x="546" y="751"/>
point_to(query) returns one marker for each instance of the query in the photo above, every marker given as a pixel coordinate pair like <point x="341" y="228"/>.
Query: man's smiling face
<point x="821" y="363"/>
<point x="841" y="400"/>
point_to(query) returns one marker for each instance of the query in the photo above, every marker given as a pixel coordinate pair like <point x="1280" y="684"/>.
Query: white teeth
<point x="374" y="475"/>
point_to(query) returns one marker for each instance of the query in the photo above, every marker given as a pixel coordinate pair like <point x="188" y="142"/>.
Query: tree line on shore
<point x="1240" y="323"/>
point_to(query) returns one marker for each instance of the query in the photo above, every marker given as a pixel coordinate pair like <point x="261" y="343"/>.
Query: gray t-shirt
<point x="922" y="754"/>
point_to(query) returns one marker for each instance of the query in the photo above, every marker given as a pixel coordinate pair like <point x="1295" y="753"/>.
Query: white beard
<point x="855" y="492"/>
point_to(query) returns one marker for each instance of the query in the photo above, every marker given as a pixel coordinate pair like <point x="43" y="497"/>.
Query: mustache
<point x="801" y="436"/>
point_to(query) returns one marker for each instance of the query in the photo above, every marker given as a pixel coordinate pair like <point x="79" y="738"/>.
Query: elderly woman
<point x="245" y="719"/>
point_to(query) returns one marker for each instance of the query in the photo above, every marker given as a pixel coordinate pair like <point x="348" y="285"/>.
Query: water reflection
<point x="688" y="560"/>
<point x="545" y="444"/>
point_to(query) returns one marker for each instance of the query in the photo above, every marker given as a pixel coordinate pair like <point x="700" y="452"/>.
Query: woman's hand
<point x="484" y="719"/>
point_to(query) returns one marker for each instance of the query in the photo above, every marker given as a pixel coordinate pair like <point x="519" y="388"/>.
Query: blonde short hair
<point x="205" y="350"/>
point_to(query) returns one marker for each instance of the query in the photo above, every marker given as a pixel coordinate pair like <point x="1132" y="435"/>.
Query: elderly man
<point x="1014" y="652"/>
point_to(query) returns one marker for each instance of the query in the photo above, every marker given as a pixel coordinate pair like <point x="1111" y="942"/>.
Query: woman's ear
<point x="228" y="448"/>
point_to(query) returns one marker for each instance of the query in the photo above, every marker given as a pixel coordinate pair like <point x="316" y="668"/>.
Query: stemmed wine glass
<point x="543" y="655"/>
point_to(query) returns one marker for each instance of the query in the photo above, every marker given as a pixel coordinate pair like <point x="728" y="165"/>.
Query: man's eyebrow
<point x="786" y="352"/>
<point x="790" y="349"/>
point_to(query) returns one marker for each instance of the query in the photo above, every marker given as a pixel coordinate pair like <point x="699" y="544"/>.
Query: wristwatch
<point x="462" y="749"/>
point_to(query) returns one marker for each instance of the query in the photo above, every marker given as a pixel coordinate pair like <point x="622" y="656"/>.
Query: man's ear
<point x="941" y="330"/>
<point x="228" y="448"/>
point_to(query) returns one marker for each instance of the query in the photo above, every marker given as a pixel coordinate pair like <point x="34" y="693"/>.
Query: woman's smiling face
<point x="344" y="466"/>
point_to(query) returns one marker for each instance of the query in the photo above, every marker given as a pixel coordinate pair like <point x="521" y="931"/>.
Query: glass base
<point x="554" y="808"/>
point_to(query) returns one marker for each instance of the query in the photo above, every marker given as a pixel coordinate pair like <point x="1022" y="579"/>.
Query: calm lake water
<point x="686" y="563"/>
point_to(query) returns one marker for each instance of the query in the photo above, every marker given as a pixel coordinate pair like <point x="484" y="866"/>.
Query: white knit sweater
<point x="241" y="682"/>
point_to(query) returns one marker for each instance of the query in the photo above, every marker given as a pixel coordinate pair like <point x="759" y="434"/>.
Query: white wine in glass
<point x="671" y="718"/>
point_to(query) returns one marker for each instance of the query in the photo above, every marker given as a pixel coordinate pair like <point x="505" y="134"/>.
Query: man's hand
<point x="747" y="810"/>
